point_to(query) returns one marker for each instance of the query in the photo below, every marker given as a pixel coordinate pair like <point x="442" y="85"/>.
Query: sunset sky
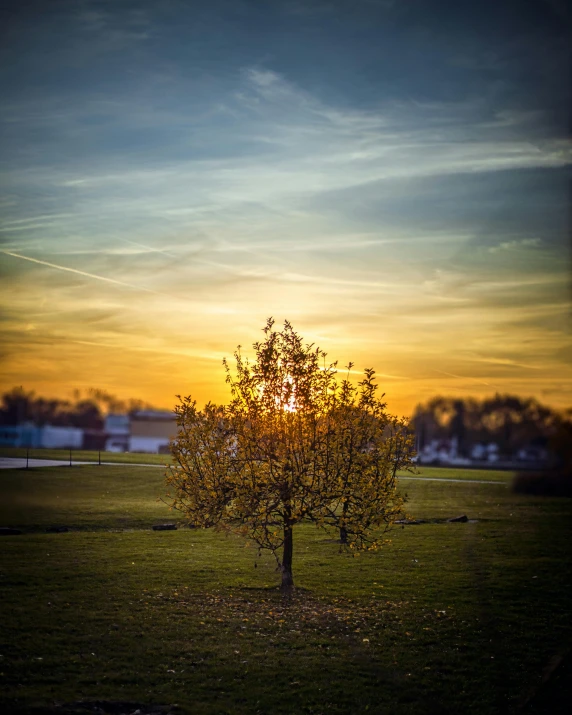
<point x="391" y="176"/>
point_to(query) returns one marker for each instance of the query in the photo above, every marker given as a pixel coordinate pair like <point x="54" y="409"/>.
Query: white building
<point x="442" y="451"/>
<point x="61" y="437"/>
<point x="485" y="452"/>
<point x="117" y="431"/>
<point x="151" y="431"/>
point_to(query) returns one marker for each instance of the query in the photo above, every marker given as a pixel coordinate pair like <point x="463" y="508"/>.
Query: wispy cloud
<point x="515" y="245"/>
<point x="160" y="350"/>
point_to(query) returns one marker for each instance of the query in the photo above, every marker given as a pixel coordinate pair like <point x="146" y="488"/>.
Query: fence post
<point x="70" y="457"/>
<point x="27" y="456"/>
<point x="99" y="457"/>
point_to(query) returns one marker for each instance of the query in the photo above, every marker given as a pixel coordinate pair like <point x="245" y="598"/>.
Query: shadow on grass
<point x="100" y="707"/>
<point x="548" y="483"/>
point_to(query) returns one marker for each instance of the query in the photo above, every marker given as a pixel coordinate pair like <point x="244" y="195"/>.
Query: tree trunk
<point x="287" y="577"/>
<point x="343" y="530"/>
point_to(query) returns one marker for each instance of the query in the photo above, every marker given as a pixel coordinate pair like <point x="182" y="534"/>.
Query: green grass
<point x="83" y="498"/>
<point x="486" y="475"/>
<point x="448" y="618"/>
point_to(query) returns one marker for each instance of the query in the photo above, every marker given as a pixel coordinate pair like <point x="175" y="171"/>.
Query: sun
<point x="287" y="400"/>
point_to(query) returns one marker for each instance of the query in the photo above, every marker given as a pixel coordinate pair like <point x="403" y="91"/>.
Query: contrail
<point x="137" y="348"/>
<point x="464" y="377"/>
<point x="82" y="273"/>
<point x="33" y="219"/>
<point x="149" y="248"/>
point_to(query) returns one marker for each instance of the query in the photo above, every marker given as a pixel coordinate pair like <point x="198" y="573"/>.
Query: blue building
<point x="25" y="435"/>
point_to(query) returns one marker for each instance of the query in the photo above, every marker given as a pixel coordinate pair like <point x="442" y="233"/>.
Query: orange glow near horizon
<point x="160" y="361"/>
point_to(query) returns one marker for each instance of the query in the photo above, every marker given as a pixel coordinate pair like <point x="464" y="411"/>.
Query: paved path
<point x="20" y="463"/>
<point x="465" y="481"/>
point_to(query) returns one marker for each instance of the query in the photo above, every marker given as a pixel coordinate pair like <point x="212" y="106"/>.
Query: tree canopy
<point x="294" y="444"/>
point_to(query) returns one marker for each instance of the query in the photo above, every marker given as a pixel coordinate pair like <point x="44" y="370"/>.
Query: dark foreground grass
<point x="449" y="618"/>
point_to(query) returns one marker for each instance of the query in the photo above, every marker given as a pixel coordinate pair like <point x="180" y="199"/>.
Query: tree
<point x="293" y="445"/>
<point x="16" y="406"/>
<point x="86" y="414"/>
<point x="509" y="421"/>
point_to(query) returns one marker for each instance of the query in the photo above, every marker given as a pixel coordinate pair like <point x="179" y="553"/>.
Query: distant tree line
<point x="86" y="410"/>
<point x="509" y="421"/>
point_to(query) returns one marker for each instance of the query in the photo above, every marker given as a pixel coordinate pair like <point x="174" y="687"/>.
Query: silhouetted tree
<point x="509" y="421"/>
<point x="293" y="445"/>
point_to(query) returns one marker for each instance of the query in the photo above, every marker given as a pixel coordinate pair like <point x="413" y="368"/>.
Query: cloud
<point x="264" y="78"/>
<point x="515" y="245"/>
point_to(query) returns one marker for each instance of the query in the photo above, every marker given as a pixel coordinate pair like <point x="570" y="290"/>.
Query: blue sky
<point x="392" y="177"/>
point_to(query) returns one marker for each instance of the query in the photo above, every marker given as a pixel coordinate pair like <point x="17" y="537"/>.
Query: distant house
<point x="151" y="431"/>
<point x="53" y="437"/>
<point x="23" y="435"/>
<point x="46" y="437"/>
<point x="485" y="452"/>
<point x="94" y="439"/>
<point x="117" y="433"/>
<point x="532" y="454"/>
<point x="442" y="451"/>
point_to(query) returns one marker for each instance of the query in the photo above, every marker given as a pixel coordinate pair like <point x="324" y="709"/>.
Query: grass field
<point x="449" y="618"/>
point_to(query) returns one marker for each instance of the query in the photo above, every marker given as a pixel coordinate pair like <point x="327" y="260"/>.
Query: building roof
<point x="165" y="415"/>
